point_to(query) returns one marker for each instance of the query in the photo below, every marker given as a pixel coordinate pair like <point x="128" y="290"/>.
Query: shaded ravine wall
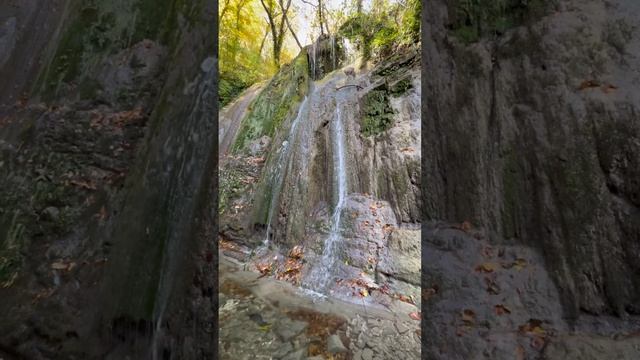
<point x="153" y="60"/>
<point x="532" y="133"/>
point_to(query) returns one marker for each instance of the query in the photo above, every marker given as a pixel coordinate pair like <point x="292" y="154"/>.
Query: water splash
<point x="277" y="172"/>
<point x="320" y="277"/>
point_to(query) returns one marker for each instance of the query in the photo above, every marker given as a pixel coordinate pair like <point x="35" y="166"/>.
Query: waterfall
<point x="333" y="51"/>
<point x="313" y="60"/>
<point x="278" y="173"/>
<point x="321" y="275"/>
<point x="349" y="50"/>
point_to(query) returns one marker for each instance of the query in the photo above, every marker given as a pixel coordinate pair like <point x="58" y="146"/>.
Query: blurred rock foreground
<point x="532" y="149"/>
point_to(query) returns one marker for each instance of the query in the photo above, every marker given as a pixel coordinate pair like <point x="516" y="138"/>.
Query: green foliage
<point x="240" y="48"/>
<point x="377" y="113"/>
<point x="473" y="19"/>
<point x="230" y="86"/>
<point x="95" y="31"/>
<point x="401" y="87"/>
<point x="379" y="32"/>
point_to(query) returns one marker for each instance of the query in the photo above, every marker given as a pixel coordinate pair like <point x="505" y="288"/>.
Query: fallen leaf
<point x="415" y="316"/>
<point x="608" y="88"/>
<point x="520" y="264"/>
<point x="468" y="316"/>
<point x="588" y="84"/>
<point x="296" y="252"/>
<point x="83" y="184"/>
<point x="59" y="265"/>
<point x="502" y="309"/>
<point x="406" y="299"/>
<point x="264" y="268"/>
<point x="486" y="267"/>
<point x="533" y="326"/>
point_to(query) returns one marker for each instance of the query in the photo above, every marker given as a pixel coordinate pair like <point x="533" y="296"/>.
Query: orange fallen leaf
<point x="296" y="252"/>
<point x="533" y="326"/>
<point x="486" y="267"/>
<point x="406" y="299"/>
<point x="468" y="316"/>
<point x="502" y="309"/>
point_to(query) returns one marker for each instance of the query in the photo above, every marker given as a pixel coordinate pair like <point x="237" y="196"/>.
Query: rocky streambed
<point x="264" y="318"/>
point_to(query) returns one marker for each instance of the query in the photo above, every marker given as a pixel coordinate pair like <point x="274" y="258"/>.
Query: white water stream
<point x="321" y="276"/>
<point x="278" y="172"/>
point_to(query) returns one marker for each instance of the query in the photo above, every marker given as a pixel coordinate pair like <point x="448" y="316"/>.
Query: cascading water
<point x="321" y="276"/>
<point x="278" y="173"/>
<point x="313" y="60"/>
<point x="333" y="51"/>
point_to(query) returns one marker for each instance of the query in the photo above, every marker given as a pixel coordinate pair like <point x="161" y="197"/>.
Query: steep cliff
<point x="108" y="153"/>
<point x="532" y="138"/>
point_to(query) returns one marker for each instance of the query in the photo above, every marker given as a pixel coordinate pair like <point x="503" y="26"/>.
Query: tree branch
<point x="293" y="33"/>
<point x="342" y="87"/>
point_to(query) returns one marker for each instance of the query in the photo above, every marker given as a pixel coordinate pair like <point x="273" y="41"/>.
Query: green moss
<point x="95" y="31"/>
<point x="401" y="87"/>
<point x="275" y="103"/>
<point x="473" y="19"/>
<point x="68" y="57"/>
<point x="230" y="185"/>
<point x="11" y="248"/>
<point x="377" y="114"/>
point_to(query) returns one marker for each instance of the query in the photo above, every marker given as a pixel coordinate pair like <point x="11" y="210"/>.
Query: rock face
<point x="104" y="161"/>
<point x="532" y="134"/>
<point x="284" y="190"/>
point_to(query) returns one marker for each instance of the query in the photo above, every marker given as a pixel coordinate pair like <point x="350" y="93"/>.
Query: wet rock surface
<point x="75" y="148"/>
<point x="531" y="135"/>
<point x="482" y="299"/>
<point x="264" y="318"/>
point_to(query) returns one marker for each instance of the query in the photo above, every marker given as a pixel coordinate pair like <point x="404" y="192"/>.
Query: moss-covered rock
<point x="377" y="114"/>
<point x="275" y="103"/>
